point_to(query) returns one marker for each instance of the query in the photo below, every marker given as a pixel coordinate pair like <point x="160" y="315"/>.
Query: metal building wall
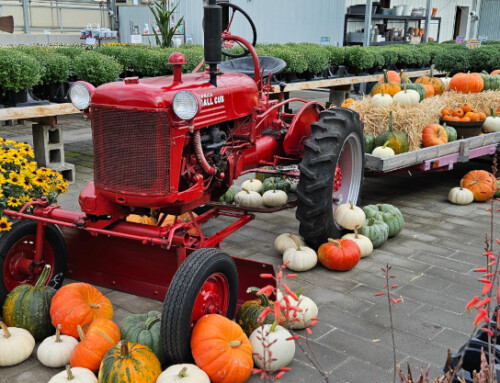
<point x="278" y="21"/>
<point x="488" y="19"/>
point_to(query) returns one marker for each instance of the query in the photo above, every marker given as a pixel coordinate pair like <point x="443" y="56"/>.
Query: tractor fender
<point x="300" y="128"/>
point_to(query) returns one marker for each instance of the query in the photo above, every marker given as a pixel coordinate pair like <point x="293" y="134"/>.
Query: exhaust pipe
<point x="212" y="14"/>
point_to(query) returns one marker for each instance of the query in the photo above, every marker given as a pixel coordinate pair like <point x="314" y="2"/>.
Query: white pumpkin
<point x="275" y="198"/>
<point x="364" y="243"/>
<point x="74" y="375"/>
<point x="16" y="345"/>
<point x="446" y="81"/>
<point x="460" y="195"/>
<point x="281" y="349"/>
<point x="183" y="373"/>
<point x="383" y="151"/>
<point x="294" y="182"/>
<point x="248" y="198"/>
<point x="381" y="100"/>
<point x="300" y="258"/>
<point x="407" y="97"/>
<point x="55" y="350"/>
<point x="309" y="310"/>
<point x="349" y="216"/>
<point x="492" y="123"/>
<point x="286" y="240"/>
<point x="252" y="185"/>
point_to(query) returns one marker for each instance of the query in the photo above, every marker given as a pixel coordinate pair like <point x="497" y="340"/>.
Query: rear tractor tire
<point x="336" y="139"/>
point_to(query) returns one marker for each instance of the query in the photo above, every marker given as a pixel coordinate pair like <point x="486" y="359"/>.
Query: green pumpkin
<point x="369" y="143"/>
<point x="228" y="197"/>
<point x="393" y="220"/>
<point x="491" y="82"/>
<point x="376" y="230"/>
<point x="144" y="329"/>
<point x="372" y="210"/>
<point x="248" y="314"/>
<point x="497" y="193"/>
<point x="451" y="132"/>
<point x="28" y="307"/>
<point x="397" y="140"/>
<point x="279" y="184"/>
<point x="404" y="79"/>
<point x="419" y="88"/>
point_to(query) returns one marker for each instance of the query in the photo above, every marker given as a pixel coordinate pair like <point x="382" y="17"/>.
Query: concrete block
<point x="48" y="145"/>
<point x="67" y="171"/>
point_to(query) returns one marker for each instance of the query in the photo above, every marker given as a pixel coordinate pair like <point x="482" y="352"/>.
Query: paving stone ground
<point x="432" y="260"/>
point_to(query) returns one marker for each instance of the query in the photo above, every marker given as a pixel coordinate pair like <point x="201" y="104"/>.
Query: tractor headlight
<point x="80" y="93"/>
<point x="185" y="105"/>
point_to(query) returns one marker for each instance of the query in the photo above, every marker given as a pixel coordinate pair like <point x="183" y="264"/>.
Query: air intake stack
<point x="213" y="42"/>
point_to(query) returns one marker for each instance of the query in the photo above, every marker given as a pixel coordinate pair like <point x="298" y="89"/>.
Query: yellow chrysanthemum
<point x="31" y="166"/>
<point x="25" y="198"/>
<point x="15" y="178"/>
<point x="1" y="193"/>
<point x="27" y="184"/>
<point x="14" y="202"/>
<point x="5" y="225"/>
<point x="1" y="140"/>
<point x="10" y="142"/>
<point x="27" y="152"/>
<point x="38" y="181"/>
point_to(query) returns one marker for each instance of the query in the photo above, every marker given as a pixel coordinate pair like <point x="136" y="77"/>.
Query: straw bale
<point x="413" y="119"/>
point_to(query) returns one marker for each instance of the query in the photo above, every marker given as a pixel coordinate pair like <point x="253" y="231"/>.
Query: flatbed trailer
<point x="440" y="157"/>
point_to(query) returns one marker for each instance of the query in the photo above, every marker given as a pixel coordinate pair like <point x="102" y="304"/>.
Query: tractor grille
<point x="131" y="151"/>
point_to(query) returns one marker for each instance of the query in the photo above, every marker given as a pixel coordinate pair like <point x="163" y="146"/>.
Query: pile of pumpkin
<point x="372" y="226"/>
<point x="466" y="113"/>
<point x="271" y="192"/>
<point x="476" y="185"/>
<point x="132" y="352"/>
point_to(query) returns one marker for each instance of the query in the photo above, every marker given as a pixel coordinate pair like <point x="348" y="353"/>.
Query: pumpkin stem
<point x="42" y="279"/>
<point x="356" y="235"/>
<point x="245" y="190"/>
<point x="386" y="77"/>
<point x="81" y="334"/>
<point x="235" y="343"/>
<point x="431" y="73"/>
<point x="124" y="348"/>
<point x="296" y="242"/>
<point x="273" y="326"/>
<point x="334" y="242"/>
<point x="351" y="205"/>
<point x="58" y="334"/>
<point x="94" y="306"/>
<point x="299" y="292"/>
<point x="6" y="332"/>
<point x="148" y="323"/>
<point x="70" y="374"/>
<point x="371" y="221"/>
<point x="405" y="88"/>
<point x="264" y="299"/>
<point x="183" y="373"/>
<point x="274" y="185"/>
<point x="385" y="145"/>
<point x="391" y="128"/>
<point x="493" y="113"/>
<point x="447" y="74"/>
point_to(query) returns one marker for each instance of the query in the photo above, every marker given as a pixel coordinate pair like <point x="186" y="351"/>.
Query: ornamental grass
<point x="413" y="119"/>
<point x="21" y="180"/>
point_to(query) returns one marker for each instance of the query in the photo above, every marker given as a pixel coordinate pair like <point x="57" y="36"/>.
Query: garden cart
<point x="172" y="145"/>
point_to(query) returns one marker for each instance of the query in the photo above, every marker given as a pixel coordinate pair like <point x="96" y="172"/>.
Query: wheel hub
<point x="213" y="298"/>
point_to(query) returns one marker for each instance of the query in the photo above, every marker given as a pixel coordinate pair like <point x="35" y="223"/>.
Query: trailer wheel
<point x="336" y="139"/>
<point x="17" y="251"/>
<point x="205" y="283"/>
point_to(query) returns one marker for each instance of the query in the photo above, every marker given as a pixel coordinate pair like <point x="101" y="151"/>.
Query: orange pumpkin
<point x="221" y="349"/>
<point x="339" y="254"/>
<point x="429" y="90"/>
<point x="144" y="219"/>
<point x="129" y="362"/>
<point x="447" y="117"/>
<point x="466" y="107"/>
<point x="78" y="304"/>
<point x="457" y="112"/>
<point x="445" y="111"/>
<point x="386" y="87"/>
<point x="481" y="183"/>
<point x="170" y="219"/>
<point x="434" y="134"/>
<point x="482" y="116"/>
<point x="473" y="116"/>
<point x="391" y="76"/>
<point x="467" y="83"/>
<point x="347" y="103"/>
<point x="435" y="82"/>
<point x="496" y="71"/>
<point x="101" y="335"/>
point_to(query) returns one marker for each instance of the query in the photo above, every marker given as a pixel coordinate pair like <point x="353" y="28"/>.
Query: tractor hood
<point x="235" y="96"/>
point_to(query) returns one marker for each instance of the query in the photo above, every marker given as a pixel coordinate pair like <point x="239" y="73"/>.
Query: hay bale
<point x="413" y="119"/>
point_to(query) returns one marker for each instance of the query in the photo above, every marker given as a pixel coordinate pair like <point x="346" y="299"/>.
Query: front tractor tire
<point x="205" y="283"/>
<point x="17" y="251"/>
<point x="336" y="139"/>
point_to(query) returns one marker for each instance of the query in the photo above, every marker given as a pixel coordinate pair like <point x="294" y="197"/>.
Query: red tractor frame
<point x="174" y="144"/>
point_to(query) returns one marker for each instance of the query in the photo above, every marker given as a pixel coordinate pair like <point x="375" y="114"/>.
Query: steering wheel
<point x="229" y="44"/>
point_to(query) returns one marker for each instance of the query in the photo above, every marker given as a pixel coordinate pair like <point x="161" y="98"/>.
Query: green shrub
<point x="452" y="60"/>
<point x="479" y="59"/>
<point x="18" y="71"/>
<point x="96" y="68"/>
<point x="316" y="57"/>
<point x="390" y="55"/>
<point x="335" y="55"/>
<point x="359" y="58"/>
<point x="379" y="59"/>
<point x="295" y="60"/>
<point x="194" y="54"/>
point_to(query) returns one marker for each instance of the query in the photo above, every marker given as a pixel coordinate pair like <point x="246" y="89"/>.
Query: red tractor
<point x="174" y="144"/>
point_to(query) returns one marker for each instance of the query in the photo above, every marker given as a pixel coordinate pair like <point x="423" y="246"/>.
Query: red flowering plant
<point x="286" y="311"/>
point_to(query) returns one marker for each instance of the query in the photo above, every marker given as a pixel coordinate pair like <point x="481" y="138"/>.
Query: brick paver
<point x="432" y="259"/>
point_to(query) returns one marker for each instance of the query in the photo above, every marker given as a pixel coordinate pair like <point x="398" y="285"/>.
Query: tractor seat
<point x="244" y="65"/>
